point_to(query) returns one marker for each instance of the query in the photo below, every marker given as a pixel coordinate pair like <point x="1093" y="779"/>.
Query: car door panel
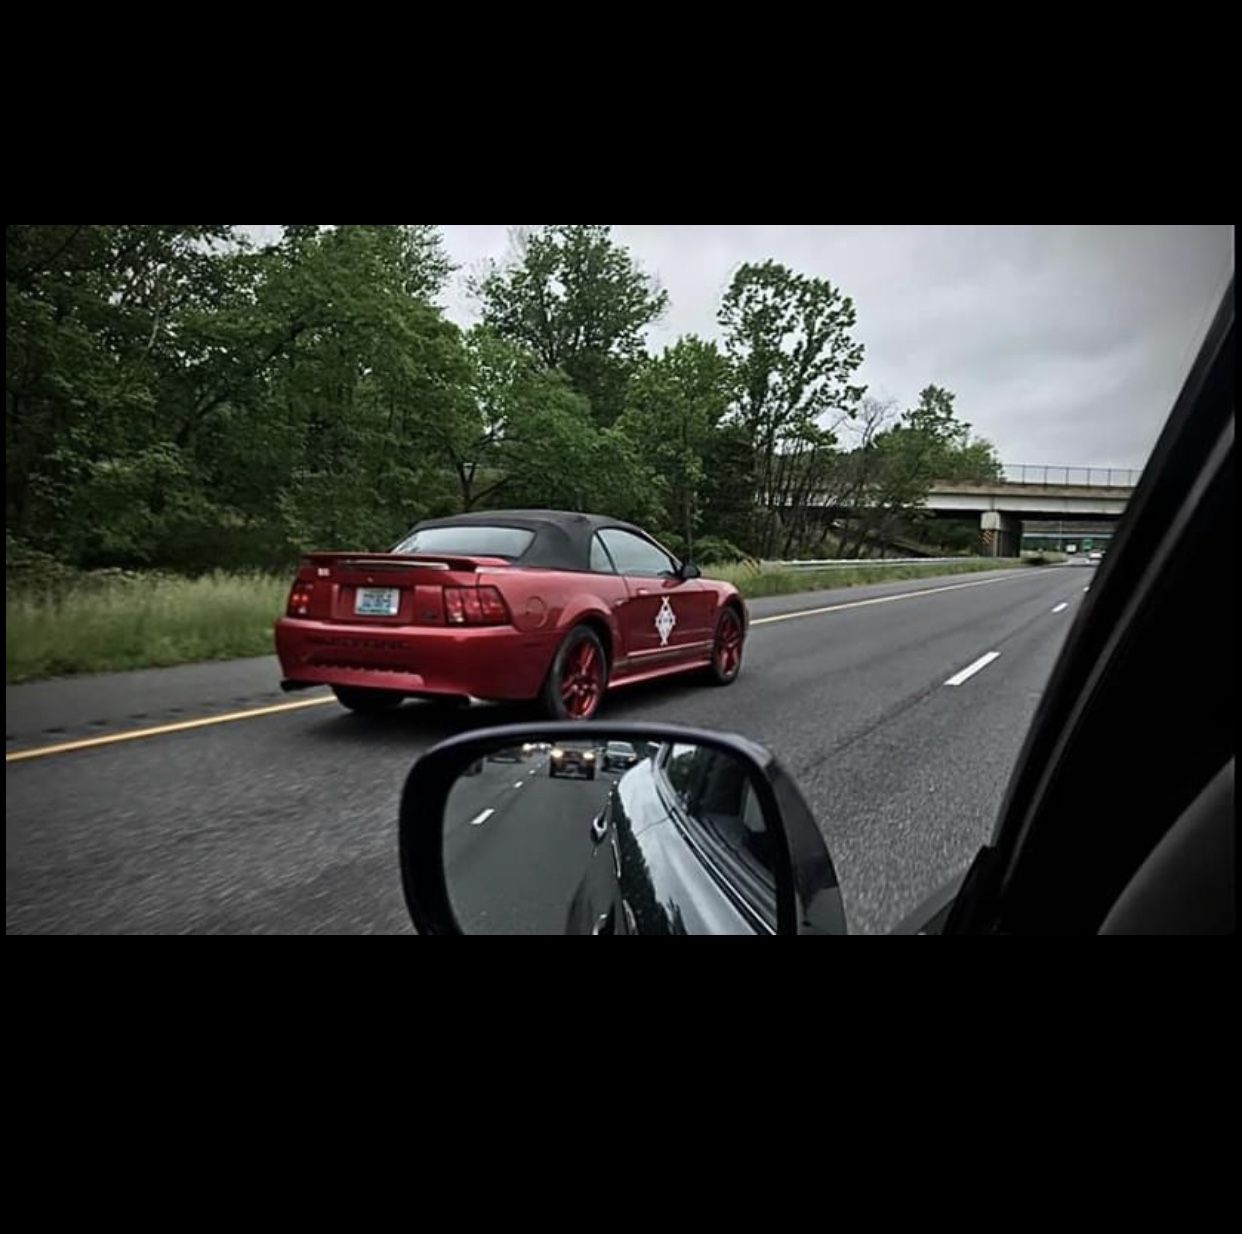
<point x="663" y="618"/>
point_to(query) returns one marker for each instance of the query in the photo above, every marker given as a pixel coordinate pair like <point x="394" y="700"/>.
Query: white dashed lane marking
<point x="971" y="669"/>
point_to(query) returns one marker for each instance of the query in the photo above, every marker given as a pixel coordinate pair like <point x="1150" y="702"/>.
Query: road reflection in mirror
<point x="609" y="836"/>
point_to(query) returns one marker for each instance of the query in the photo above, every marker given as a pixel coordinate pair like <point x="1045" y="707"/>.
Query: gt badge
<point x="665" y="620"/>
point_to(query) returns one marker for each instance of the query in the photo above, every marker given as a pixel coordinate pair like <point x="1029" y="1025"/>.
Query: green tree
<point x="936" y="445"/>
<point x="518" y="435"/>
<point x="895" y="468"/>
<point x="101" y="328"/>
<point x="579" y="301"/>
<point x="349" y="416"/>
<point x="788" y="336"/>
<point x="518" y="428"/>
<point x="176" y="396"/>
<point x="728" y="490"/>
<point x="675" y="405"/>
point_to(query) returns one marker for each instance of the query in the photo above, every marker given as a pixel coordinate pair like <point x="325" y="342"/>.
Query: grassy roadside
<point x="147" y="622"/>
<point x="753" y="582"/>
<point x="140" y="623"/>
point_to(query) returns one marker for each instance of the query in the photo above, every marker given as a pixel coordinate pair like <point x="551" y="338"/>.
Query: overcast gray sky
<point x="1064" y="344"/>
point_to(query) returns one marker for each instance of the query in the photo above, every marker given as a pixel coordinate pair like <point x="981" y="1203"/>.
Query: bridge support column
<point x="1002" y="534"/>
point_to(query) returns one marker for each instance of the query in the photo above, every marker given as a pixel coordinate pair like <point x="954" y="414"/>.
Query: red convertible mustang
<point x="507" y="604"/>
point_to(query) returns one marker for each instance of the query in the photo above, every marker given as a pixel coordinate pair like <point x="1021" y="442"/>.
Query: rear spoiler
<point x="402" y="561"/>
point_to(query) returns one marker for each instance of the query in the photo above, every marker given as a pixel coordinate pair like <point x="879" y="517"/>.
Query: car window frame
<point x="614" y="572"/>
<point x="737" y="877"/>
<point x="674" y="572"/>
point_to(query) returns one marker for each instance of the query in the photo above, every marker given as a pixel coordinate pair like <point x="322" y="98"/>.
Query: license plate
<point x="377" y="601"/>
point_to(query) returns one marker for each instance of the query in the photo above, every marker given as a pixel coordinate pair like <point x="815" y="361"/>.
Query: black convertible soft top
<point x="562" y="537"/>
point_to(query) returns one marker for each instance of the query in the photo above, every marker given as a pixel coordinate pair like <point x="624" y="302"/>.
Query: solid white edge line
<point x="1060" y="608"/>
<point x="971" y="669"/>
<point x="481" y="817"/>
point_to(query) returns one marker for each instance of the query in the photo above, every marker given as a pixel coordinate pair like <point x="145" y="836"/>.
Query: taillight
<point x="300" y="599"/>
<point x="453" y="609"/>
<point x="492" y="603"/>
<point x="475" y="606"/>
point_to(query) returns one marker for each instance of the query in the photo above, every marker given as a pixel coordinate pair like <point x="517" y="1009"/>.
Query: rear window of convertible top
<point x="472" y="541"/>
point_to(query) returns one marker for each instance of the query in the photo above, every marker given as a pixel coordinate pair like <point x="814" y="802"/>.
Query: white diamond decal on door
<point x="666" y="619"/>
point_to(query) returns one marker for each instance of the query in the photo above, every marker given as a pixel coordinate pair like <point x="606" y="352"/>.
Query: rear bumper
<point x="495" y="662"/>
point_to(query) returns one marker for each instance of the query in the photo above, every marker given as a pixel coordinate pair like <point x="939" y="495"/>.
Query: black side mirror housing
<point x="477" y="863"/>
<point x="688" y="570"/>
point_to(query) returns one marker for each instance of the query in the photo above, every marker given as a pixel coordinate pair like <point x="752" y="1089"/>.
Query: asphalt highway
<point x="227" y="807"/>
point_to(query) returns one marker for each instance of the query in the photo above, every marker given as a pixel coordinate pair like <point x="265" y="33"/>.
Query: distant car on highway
<point x="1096" y="555"/>
<point x="566" y="760"/>
<point x="619" y="756"/>
<point x="514" y="605"/>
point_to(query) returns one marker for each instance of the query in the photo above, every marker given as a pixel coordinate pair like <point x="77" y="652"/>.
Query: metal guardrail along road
<point x="833" y="562"/>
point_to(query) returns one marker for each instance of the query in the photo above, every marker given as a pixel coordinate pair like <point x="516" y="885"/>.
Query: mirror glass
<point x="609" y="835"/>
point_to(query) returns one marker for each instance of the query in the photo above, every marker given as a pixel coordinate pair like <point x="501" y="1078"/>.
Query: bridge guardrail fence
<point x="1091" y="477"/>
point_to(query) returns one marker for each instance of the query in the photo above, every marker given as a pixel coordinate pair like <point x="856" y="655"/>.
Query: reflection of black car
<point x="619" y="756"/>
<point x="681" y="848"/>
<point x="510" y="755"/>
<point x="572" y="761"/>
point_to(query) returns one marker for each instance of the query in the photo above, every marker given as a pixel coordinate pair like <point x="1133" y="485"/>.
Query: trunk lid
<point x="386" y="589"/>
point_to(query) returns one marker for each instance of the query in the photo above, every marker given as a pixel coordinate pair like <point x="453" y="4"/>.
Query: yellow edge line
<point x="180" y="726"/>
<point x="905" y="595"/>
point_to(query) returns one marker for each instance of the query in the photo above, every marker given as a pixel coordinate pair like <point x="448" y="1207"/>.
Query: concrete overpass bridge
<point x="1061" y="504"/>
<point x="1057" y="505"/>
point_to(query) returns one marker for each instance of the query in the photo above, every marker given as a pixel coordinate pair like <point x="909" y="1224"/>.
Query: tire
<point x="728" y="643"/>
<point x="365" y="701"/>
<point x="578" y="677"/>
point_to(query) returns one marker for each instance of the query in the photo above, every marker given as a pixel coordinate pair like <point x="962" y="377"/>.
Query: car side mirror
<point x="688" y="570"/>
<point x="575" y="828"/>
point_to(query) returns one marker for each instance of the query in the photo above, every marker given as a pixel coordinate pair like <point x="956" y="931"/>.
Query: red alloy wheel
<point x="728" y="650"/>
<point x="582" y="680"/>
